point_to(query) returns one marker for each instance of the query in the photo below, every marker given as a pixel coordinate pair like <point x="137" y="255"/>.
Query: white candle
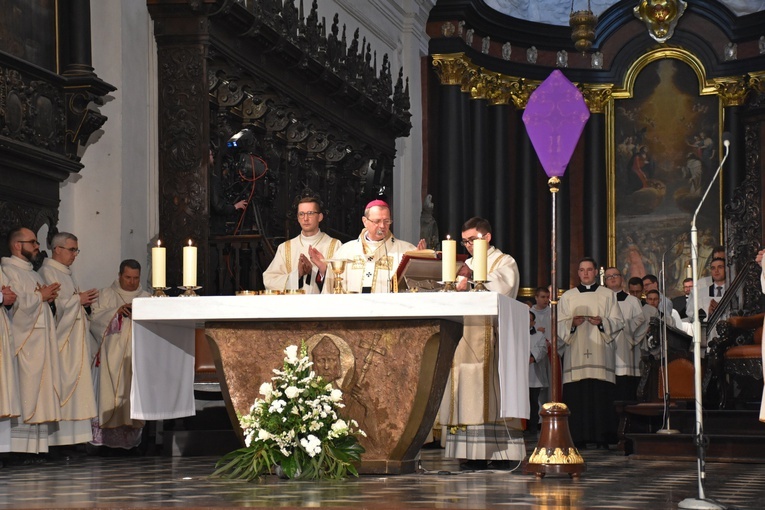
<point x="448" y="259"/>
<point x="689" y="271"/>
<point x="189" y="265"/>
<point x="158" y="266"/>
<point x="480" y="250"/>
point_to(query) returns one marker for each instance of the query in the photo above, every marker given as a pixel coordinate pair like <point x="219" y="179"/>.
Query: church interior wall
<point x="111" y="204"/>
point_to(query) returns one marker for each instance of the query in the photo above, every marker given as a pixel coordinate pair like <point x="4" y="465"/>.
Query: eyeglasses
<point x="70" y="250"/>
<point x="33" y="241"/>
<point x="469" y="242"/>
<point x="612" y="276"/>
<point x="307" y="214"/>
<point x="387" y="223"/>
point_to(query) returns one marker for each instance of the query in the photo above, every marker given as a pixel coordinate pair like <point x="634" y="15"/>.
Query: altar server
<point x="470" y="407"/>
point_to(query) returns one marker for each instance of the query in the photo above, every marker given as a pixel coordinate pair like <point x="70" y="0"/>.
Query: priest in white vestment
<point x="34" y="343"/>
<point x="473" y="429"/>
<point x="589" y="320"/>
<point x="76" y="345"/>
<point x="373" y="257"/>
<point x="629" y="340"/>
<point x="299" y="261"/>
<point x="10" y="404"/>
<point x="112" y="327"/>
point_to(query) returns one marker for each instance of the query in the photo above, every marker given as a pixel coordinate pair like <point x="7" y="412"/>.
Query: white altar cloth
<point x="163" y="336"/>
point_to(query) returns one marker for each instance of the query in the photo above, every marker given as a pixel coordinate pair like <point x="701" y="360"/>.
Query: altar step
<point x="732" y="435"/>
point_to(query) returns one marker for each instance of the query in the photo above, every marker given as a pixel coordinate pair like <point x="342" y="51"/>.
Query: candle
<point x="448" y="259"/>
<point x="189" y="265"/>
<point x="480" y="250"/>
<point x="689" y="271"/>
<point x="158" y="266"/>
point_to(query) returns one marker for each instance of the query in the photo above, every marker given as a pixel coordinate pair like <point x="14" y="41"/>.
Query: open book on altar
<point x="420" y="271"/>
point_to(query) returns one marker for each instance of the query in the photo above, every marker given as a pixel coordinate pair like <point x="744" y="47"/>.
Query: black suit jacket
<point x="678" y="303"/>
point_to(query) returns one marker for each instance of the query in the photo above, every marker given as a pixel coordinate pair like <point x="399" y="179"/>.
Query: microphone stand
<point x="663" y="338"/>
<point x="701" y="501"/>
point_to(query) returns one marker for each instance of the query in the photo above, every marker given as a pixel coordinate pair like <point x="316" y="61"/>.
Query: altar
<point x="394" y="353"/>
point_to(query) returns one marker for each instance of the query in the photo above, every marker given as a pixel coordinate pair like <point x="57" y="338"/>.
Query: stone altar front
<point x="395" y="351"/>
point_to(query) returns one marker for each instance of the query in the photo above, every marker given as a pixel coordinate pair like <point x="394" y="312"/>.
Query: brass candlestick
<point x="188" y="291"/>
<point x="159" y="292"/>
<point x="448" y="287"/>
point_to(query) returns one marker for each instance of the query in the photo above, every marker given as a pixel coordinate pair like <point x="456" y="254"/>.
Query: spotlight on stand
<point x="243" y="140"/>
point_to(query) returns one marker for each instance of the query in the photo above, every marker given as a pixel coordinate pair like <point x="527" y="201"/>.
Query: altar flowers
<point x="295" y="428"/>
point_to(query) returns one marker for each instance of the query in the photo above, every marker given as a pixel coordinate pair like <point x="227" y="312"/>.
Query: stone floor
<point x="611" y="481"/>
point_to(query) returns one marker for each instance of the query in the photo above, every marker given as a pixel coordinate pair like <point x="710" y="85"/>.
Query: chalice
<point x="338" y="268"/>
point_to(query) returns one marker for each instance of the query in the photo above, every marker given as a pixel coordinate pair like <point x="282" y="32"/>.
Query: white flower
<point x="264" y="435"/>
<point x="277" y="406"/>
<point x="336" y="395"/>
<point x="291" y="353"/>
<point x="312" y="445"/>
<point x="340" y="427"/>
<point x="266" y="389"/>
<point x="291" y="392"/>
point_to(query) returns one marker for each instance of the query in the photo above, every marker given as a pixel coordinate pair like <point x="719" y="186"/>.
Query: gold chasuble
<point x="469" y="411"/>
<point x="76" y="347"/>
<point x="36" y="352"/>
<point x="372" y="266"/>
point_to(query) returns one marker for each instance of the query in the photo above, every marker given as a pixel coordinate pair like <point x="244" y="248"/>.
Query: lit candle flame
<point x="159" y="243"/>
<point x="448" y="237"/>
<point x="189" y="242"/>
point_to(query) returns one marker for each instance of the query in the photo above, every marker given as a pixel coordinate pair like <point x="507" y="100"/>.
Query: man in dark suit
<point x="679" y="303"/>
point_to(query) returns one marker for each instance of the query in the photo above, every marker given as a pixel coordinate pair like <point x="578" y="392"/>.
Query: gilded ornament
<point x="450" y="67"/>
<point x="597" y="97"/>
<point x="660" y="17"/>
<point x="557" y="456"/>
<point x="733" y="91"/>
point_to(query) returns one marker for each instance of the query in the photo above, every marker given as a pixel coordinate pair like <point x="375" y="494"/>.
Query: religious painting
<point x="665" y="153"/>
<point x="28" y="31"/>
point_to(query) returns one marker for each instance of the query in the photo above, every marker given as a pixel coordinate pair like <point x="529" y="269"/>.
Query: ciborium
<point x="338" y="268"/>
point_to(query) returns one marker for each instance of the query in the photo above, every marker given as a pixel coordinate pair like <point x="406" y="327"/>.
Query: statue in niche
<point x="507" y="50"/>
<point x="531" y="55"/>
<point x="428" y="225"/>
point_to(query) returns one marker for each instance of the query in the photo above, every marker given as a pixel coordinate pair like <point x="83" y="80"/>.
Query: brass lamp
<point x="582" y="25"/>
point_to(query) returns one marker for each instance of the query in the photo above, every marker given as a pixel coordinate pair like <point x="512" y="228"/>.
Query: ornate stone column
<point x="524" y="214"/>
<point x="181" y="31"/>
<point x="75" y="51"/>
<point x="451" y="70"/>
<point x="595" y="211"/>
<point x="733" y="93"/>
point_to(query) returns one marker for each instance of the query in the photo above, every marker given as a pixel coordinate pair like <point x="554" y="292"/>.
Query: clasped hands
<point x="578" y="320"/>
<point x="49" y="293"/>
<point x="315" y="258"/>
<point x="87" y="297"/>
<point x="9" y="297"/>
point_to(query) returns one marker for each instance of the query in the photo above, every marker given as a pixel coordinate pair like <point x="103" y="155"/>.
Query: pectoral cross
<point x="587" y="354"/>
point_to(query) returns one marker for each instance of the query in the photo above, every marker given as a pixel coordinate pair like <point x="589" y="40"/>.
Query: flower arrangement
<point x="295" y="427"/>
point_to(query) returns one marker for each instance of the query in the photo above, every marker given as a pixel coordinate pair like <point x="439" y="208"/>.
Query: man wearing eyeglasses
<point x="35" y="346"/>
<point x="374" y="255"/>
<point x="629" y="340"/>
<point x="470" y="408"/>
<point x="76" y="344"/>
<point x="299" y="263"/>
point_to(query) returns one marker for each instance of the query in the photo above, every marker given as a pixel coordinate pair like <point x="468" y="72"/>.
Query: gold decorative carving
<point x="558" y="406"/>
<point x="733" y="91"/>
<point x="554" y="184"/>
<point x="520" y="90"/>
<point x="557" y="456"/>
<point x="660" y="17"/>
<point x="597" y="97"/>
<point x="451" y="67"/>
<point x="757" y="81"/>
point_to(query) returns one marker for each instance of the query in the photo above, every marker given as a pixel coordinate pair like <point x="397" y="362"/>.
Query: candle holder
<point x="159" y="292"/>
<point x="448" y="287"/>
<point x="189" y="291"/>
<point x="478" y="286"/>
<point x="338" y="268"/>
